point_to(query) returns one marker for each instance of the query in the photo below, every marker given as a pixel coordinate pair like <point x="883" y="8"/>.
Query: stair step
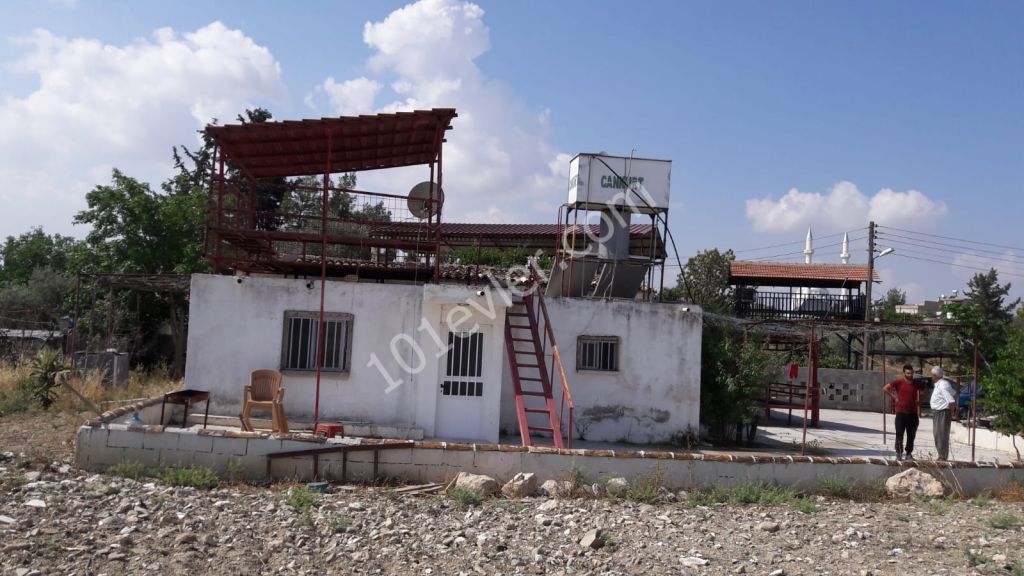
<point x="530" y="379"/>
<point x="540" y="394"/>
<point x="522" y="339"/>
<point x="528" y="365"/>
<point x="540" y="429"/>
<point x="538" y="410"/>
<point x="523" y="314"/>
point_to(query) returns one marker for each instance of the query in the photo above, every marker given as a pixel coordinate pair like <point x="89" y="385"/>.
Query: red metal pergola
<point x="245" y="234"/>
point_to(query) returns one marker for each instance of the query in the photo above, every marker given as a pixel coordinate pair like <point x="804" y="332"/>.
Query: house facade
<point x="431" y="358"/>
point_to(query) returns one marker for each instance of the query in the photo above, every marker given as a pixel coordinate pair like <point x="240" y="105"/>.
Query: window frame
<point x="345" y="354"/>
<point x="584" y="340"/>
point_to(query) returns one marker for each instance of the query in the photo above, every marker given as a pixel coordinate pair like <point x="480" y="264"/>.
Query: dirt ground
<point x="42" y="436"/>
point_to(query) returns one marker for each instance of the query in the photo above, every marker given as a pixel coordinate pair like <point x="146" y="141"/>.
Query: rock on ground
<point x="914" y="482"/>
<point x="477" y="482"/>
<point x="521" y="485"/>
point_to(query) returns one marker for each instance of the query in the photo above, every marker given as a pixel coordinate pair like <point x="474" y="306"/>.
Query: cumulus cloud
<point x="844" y="206"/>
<point x="99" y="105"/>
<point x="499" y="165"/>
<point x="351" y="97"/>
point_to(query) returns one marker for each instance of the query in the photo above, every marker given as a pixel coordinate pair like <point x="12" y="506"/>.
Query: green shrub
<point x="301" y="499"/>
<point x="743" y="494"/>
<point x="128" y="469"/>
<point x="1004" y="520"/>
<point x="803" y="505"/>
<point x="43" y="384"/>
<point x="846" y="489"/>
<point x="645" y="489"/>
<point x="195" y="477"/>
<point x="465" y="497"/>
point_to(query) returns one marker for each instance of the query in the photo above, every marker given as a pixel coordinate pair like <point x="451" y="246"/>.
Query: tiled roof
<point x="795" y="273"/>
<point x="497" y="230"/>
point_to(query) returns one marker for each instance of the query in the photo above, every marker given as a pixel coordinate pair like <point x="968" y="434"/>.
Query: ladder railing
<point x="556" y="357"/>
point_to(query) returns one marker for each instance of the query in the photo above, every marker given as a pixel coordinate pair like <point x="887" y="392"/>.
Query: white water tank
<point x="641" y="185"/>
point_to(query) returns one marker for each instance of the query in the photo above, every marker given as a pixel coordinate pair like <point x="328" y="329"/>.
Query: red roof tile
<point x="743" y="272"/>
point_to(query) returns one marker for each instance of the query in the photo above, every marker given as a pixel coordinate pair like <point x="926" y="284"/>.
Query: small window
<point x="464" y="365"/>
<point x="597" y="353"/>
<point x="299" y="349"/>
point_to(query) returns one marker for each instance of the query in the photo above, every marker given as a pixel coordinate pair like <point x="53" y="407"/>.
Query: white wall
<point x="654" y="395"/>
<point x="235" y="328"/>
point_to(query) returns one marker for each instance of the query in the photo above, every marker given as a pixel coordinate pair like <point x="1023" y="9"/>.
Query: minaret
<point x="845" y="256"/>
<point x="808" y="247"/>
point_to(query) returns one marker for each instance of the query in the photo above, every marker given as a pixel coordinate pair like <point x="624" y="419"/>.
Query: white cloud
<point x="843" y="207"/>
<point x="499" y="165"/>
<point x="99" y="105"/>
<point x="351" y="97"/>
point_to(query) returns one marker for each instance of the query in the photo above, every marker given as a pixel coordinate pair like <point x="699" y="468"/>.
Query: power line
<point x="955" y="239"/>
<point x="952" y="264"/>
<point x="904" y="245"/>
<point x="957" y="246"/>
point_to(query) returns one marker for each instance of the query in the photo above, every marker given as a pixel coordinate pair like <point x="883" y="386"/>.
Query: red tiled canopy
<point x="748" y="273"/>
<point x="300" y="148"/>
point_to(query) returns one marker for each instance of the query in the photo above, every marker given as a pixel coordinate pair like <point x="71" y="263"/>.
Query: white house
<point x="299" y="252"/>
<point x="389" y="355"/>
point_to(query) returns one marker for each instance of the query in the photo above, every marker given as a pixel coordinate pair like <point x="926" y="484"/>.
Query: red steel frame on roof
<point x="242" y="236"/>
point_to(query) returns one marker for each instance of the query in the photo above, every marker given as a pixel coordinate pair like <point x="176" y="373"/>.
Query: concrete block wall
<point x="99" y="448"/>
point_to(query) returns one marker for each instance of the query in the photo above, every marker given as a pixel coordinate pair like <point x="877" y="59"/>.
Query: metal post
<point x="440" y="205"/>
<point x="867" y="291"/>
<point x="321" y="332"/>
<point x="974" y="394"/>
<point x="807" y="388"/>
<point x="885" y="397"/>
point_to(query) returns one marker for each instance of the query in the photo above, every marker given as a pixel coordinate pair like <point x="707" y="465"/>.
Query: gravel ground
<point x="57" y="520"/>
<point x="60" y="521"/>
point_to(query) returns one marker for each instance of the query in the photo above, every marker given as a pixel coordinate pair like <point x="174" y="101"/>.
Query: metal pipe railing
<point x="556" y="358"/>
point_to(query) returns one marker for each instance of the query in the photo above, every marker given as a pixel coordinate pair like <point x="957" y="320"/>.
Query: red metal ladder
<point x="530" y="379"/>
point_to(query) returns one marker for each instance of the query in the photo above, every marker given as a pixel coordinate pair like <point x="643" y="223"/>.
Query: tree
<point x="733" y="375"/>
<point x="704" y="281"/>
<point x="33" y="250"/>
<point x="1004" y="387"/>
<point x="893" y="297"/>
<point x="136" y="230"/>
<point x="986" y="315"/>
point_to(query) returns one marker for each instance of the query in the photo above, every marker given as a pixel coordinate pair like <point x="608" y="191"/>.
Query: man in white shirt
<point x="944" y="406"/>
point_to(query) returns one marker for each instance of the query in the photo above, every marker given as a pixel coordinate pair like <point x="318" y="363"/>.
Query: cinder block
<point x="230" y="446"/>
<point x="192" y="442"/>
<point x="124" y="438"/>
<point x="99" y="457"/>
<point x="149" y="458"/>
<point x="181" y="458"/>
<point x="262" y="446"/>
<point x="160" y="440"/>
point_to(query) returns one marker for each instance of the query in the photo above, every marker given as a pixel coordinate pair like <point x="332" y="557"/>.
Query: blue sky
<point x="776" y="115"/>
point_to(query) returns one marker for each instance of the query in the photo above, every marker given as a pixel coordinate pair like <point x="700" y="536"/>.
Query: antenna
<point x="419" y="197"/>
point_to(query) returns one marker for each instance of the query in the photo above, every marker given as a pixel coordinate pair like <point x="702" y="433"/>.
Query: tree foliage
<point x="704" y="281"/>
<point x="34" y="250"/>
<point x="987" y="314"/>
<point x="734" y="373"/>
<point x="1004" y="385"/>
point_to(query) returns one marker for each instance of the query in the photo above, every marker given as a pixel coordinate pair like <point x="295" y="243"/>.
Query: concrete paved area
<point x="845" y="433"/>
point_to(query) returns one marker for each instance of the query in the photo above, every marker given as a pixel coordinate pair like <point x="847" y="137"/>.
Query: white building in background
<point x="387" y="364"/>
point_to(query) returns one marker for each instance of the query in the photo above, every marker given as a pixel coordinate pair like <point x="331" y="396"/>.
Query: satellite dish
<point x="420" y="194"/>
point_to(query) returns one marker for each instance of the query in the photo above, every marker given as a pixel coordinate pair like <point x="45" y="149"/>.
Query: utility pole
<point x="867" y="291"/>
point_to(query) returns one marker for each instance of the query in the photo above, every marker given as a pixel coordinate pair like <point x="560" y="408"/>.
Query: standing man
<point x="904" y="391"/>
<point x="943" y="411"/>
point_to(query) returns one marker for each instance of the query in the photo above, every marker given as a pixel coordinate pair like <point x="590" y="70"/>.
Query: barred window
<point x="301" y="330"/>
<point x="464" y="365"/>
<point x="597" y="353"/>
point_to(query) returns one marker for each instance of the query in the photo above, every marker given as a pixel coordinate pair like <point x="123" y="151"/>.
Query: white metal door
<point x="461" y="386"/>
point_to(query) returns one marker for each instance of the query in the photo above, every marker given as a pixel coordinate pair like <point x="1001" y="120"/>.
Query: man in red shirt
<point x="905" y="392"/>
